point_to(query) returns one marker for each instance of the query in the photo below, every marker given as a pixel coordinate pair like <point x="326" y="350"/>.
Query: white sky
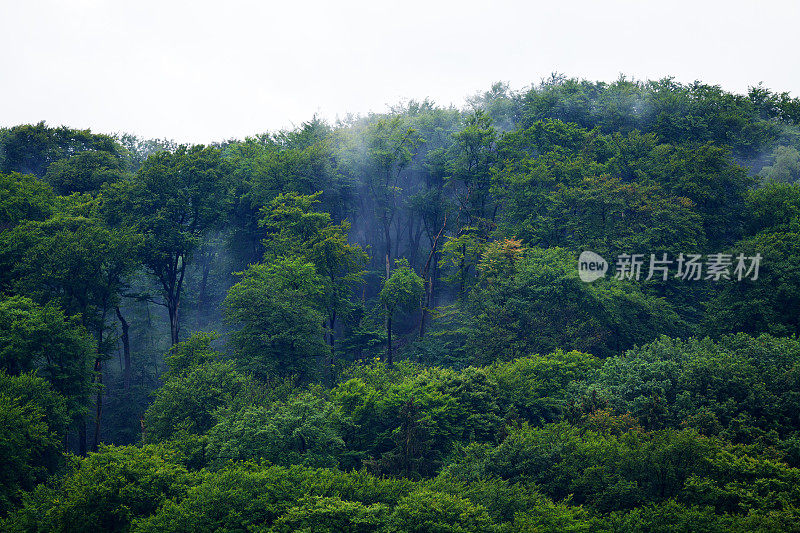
<point x="202" y="71"/>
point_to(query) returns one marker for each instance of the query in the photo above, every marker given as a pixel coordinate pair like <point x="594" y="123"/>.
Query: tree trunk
<point x="82" y="436"/>
<point x="201" y="298"/>
<point x="172" y="309"/>
<point x="429" y="279"/>
<point x="388" y="240"/>
<point x="98" y="405"/>
<point x="126" y="350"/>
<point x="331" y="359"/>
<point x="172" y="295"/>
<point x="462" y="267"/>
<point x="98" y="369"/>
<point x="389" y="340"/>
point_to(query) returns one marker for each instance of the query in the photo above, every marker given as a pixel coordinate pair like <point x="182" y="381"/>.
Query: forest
<point x="378" y="324"/>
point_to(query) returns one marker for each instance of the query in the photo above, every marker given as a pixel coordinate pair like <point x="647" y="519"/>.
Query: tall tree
<point x="58" y="348"/>
<point x="401" y="292"/>
<point x="390" y="146"/>
<point x="475" y="155"/>
<point x="81" y="264"/>
<point x="295" y="229"/>
<point x="277" y="307"/>
<point x="173" y="200"/>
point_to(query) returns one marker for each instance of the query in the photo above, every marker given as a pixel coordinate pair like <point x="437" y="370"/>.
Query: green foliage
<point x="402" y="291"/>
<point x="278" y="308"/>
<point x="303" y="430"/>
<point x="190" y="354"/>
<point x="708" y="176"/>
<point x="31" y="148"/>
<point x="23" y="197"/>
<point x="32" y="421"/>
<point x="436" y="512"/>
<point x="84" y="172"/>
<point x="610" y="472"/>
<point x="738" y="380"/>
<point x="331" y="515"/>
<point x="785" y="167"/>
<point x="408" y="420"/>
<point x="106" y="491"/>
<point x="40" y="338"/>
<point x="76" y="261"/>
<point x="186" y="403"/>
<point x="770" y="303"/>
<point x="772" y="206"/>
<point x="294" y="229"/>
<point x="582" y="417"/>
<point x="174" y="199"/>
<point x="246" y="496"/>
<point x="532" y="301"/>
<point x="534" y="388"/>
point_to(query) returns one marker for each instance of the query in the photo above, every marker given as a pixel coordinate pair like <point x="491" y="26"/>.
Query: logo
<point x="591" y="266"/>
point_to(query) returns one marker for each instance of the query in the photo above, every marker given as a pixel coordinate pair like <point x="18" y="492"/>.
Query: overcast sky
<point x="202" y="71"/>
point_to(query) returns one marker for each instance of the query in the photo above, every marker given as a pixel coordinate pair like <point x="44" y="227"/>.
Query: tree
<point x="173" y="200"/>
<point x="279" y="310"/>
<point x="332" y="515"/>
<point x="389" y="149"/>
<point x="32" y="422"/>
<point x="411" y="454"/>
<point x="402" y="292"/>
<point x="106" y="491"/>
<point x="302" y="161"/>
<point x="785" y="167"/>
<point x="186" y="403"/>
<point x="427" y="511"/>
<point x="84" y="172"/>
<point x="531" y="301"/>
<point x="294" y="229"/>
<point x="81" y="264"/>
<point x="472" y="168"/>
<point x="708" y="176"/>
<point x="770" y="303"/>
<point x="40" y="338"/>
<point x="31" y="148"/>
<point x="303" y="430"/>
<point x="23" y="197"/>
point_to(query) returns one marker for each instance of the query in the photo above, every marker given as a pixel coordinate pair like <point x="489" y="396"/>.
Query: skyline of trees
<point x="390" y="305"/>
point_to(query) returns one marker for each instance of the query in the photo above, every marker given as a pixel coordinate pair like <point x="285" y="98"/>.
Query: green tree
<point x="531" y="301"/>
<point x="332" y="515"/>
<point x="390" y="146"/>
<point x="84" y="172"/>
<point x="31" y="148"/>
<point x="278" y="308"/>
<point x="785" y="167"/>
<point x="23" y="197"/>
<point x="40" y="338"/>
<point x="294" y="229"/>
<point x="303" y="430"/>
<point x="32" y="422"/>
<point x="401" y="293"/>
<point x="427" y="511"/>
<point x="475" y="155"/>
<point x="186" y="404"/>
<point x="105" y="492"/>
<point x="173" y="200"/>
<point x="81" y="264"/>
<point x="770" y="303"/>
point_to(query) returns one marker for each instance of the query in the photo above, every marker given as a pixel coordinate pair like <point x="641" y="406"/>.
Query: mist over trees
<point x="378" y="324"/>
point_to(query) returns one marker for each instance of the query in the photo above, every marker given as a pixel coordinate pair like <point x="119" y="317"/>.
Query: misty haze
<point x="314" y="268"/>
